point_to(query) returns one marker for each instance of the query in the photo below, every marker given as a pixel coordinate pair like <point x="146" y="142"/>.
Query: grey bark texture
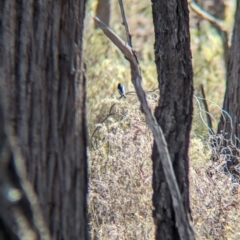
<point x="43" y="88"/>
<point x="20" y="214"/>
<point x="229" y="123"/>
<point x="174" y="113"/>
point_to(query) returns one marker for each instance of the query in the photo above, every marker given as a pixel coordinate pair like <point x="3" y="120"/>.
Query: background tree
<point x="174" y="113"/>
<point x="43" y="89"/>
<point x="229" y="124"/>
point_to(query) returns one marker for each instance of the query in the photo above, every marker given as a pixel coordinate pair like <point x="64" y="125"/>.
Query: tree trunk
<point x="229" y="122"/>
<point x="20" y="214"/>
<point x="174" y="113"/>
<point x="103" y="11"/>
<point x="43" y="86"/>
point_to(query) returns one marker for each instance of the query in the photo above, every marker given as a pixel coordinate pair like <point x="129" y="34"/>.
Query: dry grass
<point x="214" y="197"/>
<point x="214" y="187"/>
<point x="120" y="167"/>
<point x="106" y="65"/>
<point x="120" y="199"/>
<point x="215" y="209"/>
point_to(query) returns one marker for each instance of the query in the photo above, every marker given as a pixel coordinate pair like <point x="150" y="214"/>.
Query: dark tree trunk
<point x="43" y="86"/>
<point x="103" y="11"/>
<point x="20" y="214"/>
<point x="174" y="113"/>
<point x="229" y="123"/>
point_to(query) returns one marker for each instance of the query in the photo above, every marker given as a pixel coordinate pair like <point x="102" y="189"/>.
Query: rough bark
<point x="103" y="11"/>
<point x="44" y="93"/>
<point x="174" y="113"/>
<point x="229" y="123"/>
<point x="20" y="214"/>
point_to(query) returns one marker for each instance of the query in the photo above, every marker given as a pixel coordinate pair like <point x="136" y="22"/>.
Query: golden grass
<point x="214" y="197"/>
<point x="120" y="171"/>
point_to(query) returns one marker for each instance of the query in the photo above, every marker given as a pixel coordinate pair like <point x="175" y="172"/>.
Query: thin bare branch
<point x="182" y="222"/>
<point x="102" y="120"/>
<point x="209" y="120"/>
<point x="129" y="36"/>
<point x="125" y="48"/>
<point x="205" y="15"/>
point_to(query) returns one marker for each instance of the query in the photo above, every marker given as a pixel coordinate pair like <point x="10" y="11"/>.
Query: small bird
<point x="121" y="90"/>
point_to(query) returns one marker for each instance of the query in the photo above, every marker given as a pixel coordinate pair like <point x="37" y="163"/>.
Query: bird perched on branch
<point x="121" y="90"/>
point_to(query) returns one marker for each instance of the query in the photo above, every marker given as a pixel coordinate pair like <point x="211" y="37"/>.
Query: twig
<point x="103" y="120"/>
<point x="129" y="36"/>
<point x="209" y="120"/>
<point x="184" y="228"/>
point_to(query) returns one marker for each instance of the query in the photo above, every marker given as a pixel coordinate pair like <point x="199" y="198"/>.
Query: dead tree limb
<point x="124" y="22"/>
<point x="182" y="223"/>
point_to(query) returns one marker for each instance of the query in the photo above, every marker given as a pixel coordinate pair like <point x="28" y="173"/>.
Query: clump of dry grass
<point x="120" y="174"/>
<point x="214" y="182"/>
<point x="214" y="197"/>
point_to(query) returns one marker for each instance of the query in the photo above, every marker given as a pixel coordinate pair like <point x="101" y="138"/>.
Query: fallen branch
<point x="184" y="228"/>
